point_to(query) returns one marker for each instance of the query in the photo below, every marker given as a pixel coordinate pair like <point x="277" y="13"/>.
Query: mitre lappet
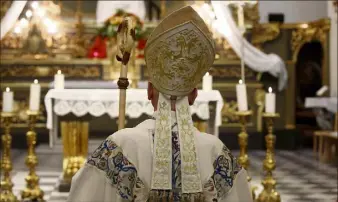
<point x="178" y="53"/>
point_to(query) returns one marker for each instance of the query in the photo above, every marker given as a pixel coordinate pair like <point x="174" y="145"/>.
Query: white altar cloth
<point x="329" y="103"/>
<point x="97" y="102"/>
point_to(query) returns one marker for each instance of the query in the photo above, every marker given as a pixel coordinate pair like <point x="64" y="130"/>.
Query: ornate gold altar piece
<point x="243" y="158"/>
<point x="269" y="193"/>
<point x="32" y="190"/>
<point x="75" y="147"/>
<point x="6" y="194"/>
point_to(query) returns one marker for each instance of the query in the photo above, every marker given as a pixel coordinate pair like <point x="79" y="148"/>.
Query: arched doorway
<point x="308" y="81"/>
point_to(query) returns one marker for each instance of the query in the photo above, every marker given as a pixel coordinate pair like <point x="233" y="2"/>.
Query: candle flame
<point x="270" y="90"/>
<point x="8" y="89"/>
<point x="59" y="71"/>
<point x="240" y="81"/>
<point x="36" y="81"/>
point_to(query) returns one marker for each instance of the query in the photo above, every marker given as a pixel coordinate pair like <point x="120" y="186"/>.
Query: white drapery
<point x="225" y="25"/>
<point x="105" y="9"/>
<point x="11" y="17"/>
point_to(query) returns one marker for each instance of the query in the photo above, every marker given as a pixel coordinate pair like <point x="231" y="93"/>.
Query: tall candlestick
<point x="34" y="98"/>
<point x="59" y="81"/>
<point x="240" y="15"/>
<point x="242" y="61"/>
<point x="270" y="102"/>
<point x="241" y="96"/>
<point x="241" y="25"/>
<point x="207" y="82"/>
<point x="7" y="100"/>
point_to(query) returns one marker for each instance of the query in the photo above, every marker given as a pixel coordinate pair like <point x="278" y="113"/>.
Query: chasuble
<point x="120" y="169"/>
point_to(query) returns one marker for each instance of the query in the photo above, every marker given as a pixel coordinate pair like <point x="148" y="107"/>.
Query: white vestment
<point x="120" y="169"/>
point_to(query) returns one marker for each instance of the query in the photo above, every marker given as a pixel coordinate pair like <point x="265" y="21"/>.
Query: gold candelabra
<point x="269" y="193"/>
<point x="243" y="158"/>
<point x="32" y="190"/>
<point x="6" y="194"/>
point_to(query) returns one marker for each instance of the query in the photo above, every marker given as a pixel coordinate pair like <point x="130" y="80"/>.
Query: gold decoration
<point x="308" y="32"/>
<point x="224" y="49"/>
<point x="251" y="13"/>
<point x="230" y="72"/>
<point x="4" y="6"/>
<point x="32" y="190"/>
<point x="75" y="147"/>
<point x="269" y="193"/>
<point x="243" y="158"/>
<point x="6" y="194"/>
<point x="262" y="33"/>
<point x="229" y="112"/>
<point x="260" y="102"/>
<point x="85" y="71"/>
<point x="314" y="31"/>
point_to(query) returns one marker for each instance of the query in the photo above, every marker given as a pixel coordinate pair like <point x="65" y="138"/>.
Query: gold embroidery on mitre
<point x="179" y="52"/>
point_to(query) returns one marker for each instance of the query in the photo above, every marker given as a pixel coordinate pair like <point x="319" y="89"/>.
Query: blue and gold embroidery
<point x="109" y="158"/>
<point x="226" y="168"/>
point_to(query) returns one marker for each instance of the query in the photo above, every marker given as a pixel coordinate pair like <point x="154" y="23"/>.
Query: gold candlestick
<point x="32" y="190"/>
<point x="243" y="158"/>
<point x="6" y="194"/>
<point x="269" y="193"/>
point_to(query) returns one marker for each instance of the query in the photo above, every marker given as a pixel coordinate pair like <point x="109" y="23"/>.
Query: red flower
<point x="98" y="49"/>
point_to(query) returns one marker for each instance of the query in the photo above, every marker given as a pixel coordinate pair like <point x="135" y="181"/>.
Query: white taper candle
<point x="207" y="82"/>
<point x="7" y="100"/>
<point x="59" y="80"/>
<point x="242" y="101"/>
<point x="34" y="98"/>
<point x="270" y="102"/>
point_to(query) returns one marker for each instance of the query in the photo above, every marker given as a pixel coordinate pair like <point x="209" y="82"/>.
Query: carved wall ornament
<point x="262" y="33"/>
<point x="17" y="71"/>
<point x="314" y="31"/>
<point x="228" y="112"/>
<point x="233" y="72"/>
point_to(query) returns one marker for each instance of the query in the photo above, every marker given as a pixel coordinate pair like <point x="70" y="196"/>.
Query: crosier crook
<point x="125" y="44"/>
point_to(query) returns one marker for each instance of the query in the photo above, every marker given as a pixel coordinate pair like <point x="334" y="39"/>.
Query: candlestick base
<point x="269" y="193"/>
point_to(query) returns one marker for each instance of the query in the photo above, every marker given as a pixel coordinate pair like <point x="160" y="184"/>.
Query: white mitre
<point x="178" y="53"/>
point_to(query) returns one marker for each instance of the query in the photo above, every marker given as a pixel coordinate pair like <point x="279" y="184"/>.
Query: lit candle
<point x="207" y="82"/>
<point x="59" y="81"/>
<point x="7" y="100"/>
<point x="270" y="102"/>
<point x="34" y="98"/>
<point x="242" y="101"/>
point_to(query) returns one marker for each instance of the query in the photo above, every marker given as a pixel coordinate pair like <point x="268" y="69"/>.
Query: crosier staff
<point x="125" y="44"/>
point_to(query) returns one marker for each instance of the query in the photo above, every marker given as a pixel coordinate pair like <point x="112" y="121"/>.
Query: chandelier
<point x="45" y="15"/>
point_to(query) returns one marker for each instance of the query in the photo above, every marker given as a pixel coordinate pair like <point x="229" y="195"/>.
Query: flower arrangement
<point x="110" y="27"/>
<point x="109" y="31"/>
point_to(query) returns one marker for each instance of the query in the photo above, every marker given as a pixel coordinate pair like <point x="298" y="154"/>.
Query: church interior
<point x="270" y="96"/>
